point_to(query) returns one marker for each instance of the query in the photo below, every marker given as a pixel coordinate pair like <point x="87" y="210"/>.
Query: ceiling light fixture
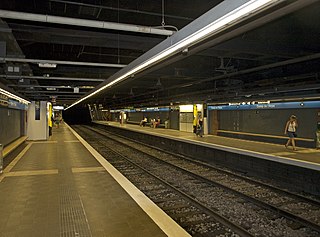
<point x="227" y="20"/>
<point x="47" y="65"/>
<point x="10" y="95"/>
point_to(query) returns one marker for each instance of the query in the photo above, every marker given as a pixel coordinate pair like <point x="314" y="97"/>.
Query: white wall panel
<point x="37" y="129"/>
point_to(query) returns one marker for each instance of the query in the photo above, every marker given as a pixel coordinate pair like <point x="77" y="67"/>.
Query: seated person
<point x="143" y="122"/>
<point x="151" y="122"/>
<point x="156" y="122"/>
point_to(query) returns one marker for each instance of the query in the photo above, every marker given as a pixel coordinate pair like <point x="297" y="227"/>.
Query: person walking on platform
<point x="290" y="130"/>
<point x="58" y="119"/>
<point x="199" y="126"/>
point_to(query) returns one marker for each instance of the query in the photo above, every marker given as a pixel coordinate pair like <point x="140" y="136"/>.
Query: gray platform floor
<point x="308" y="157"/>
<point x="57" y="188"/>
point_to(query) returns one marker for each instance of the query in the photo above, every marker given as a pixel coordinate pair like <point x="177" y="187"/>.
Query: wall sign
<point x="37" y="110"/>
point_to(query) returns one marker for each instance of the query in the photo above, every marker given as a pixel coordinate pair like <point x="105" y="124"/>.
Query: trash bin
<point x="1" y="159"/>
<point x="166" y="124"/>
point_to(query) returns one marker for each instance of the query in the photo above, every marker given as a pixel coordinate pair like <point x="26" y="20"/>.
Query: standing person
<point x="290" y="130"/>
<point x="200" y="126"/>
<point x="121" y="118"/>
<point x="195" y="121"/>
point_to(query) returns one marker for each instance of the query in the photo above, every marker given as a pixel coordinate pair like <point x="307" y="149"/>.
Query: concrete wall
<point x="138" y="116"/>
<point x="37" y="129"/>
<point x="10" y="125"/>
<point x="270" y="122"/>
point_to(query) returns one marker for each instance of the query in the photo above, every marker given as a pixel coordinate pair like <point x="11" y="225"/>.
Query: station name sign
<point x="13" y="104"/>
<point x="265" y="105"/>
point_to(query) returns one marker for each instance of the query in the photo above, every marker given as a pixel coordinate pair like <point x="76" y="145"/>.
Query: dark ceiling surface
<point x="274" y="59"/>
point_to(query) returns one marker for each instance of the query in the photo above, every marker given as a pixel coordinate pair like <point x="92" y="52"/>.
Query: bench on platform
<point x="161" y="125"/>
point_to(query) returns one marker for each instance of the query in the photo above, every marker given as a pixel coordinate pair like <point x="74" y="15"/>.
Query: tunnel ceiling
<point x="275" y="59"/>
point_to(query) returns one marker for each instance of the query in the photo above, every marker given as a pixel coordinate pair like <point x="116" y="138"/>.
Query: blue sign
<point x="257" y="105"/>
<point x="13" y="104"/>
<point x="152" y="109"/>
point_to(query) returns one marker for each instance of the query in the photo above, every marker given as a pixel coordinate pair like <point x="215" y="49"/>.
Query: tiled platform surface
<point x="57" y="188"/>
<point x="305" y="157"/>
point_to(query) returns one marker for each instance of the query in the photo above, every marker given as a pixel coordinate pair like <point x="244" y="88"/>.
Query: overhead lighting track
<point x="13" y="96"/>
<point x="218" y="23"/>
<point x="47" y="65"/>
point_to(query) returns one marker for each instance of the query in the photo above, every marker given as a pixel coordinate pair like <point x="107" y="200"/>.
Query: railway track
<point x="216" y="198"/>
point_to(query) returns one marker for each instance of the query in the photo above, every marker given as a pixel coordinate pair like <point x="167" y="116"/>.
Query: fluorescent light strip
<point x="10" y="95"/>
<point x="47" y="65"/>
<point x="228" y="19"/>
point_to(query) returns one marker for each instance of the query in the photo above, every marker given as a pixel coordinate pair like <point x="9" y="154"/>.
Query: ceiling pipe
<point x="25" y="60"/>
<point x="83" y="22"/>
<point x="12" y="77"/>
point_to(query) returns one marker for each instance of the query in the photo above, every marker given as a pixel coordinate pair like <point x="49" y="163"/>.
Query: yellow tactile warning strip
<point x="18" y="157"/>
<point x="44" y="142"/>
<point x="308" y="151"/>
<point x="300" y="150"/>
<point x="166" y="224"/>
<point x="30" y="173"/>
<point x="282" y="153"/>
<point x="8" y="173"/>
<point x="88" y="169"/>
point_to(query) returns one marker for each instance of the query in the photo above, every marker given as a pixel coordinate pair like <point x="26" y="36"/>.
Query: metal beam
<point x="242" y="72"/>
<point x="26" y="60"/>
<point x="64" y="96"/>
<point x="83" y="22"/>
<point x="57" y="87"/>
<point x="123" y="10"/>
<point x="50" y="78"/>
<point x="50" y="92"/>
